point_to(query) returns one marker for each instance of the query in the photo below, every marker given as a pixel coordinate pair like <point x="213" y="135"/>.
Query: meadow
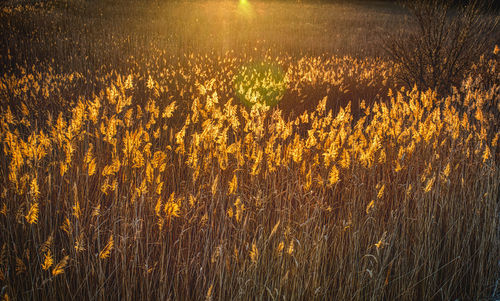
<point x="238" y="151"/>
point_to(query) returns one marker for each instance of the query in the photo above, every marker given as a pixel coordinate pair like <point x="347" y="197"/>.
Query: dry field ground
<point x="226" y="150"/>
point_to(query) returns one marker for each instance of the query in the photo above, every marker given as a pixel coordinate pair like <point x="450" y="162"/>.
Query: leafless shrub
<point x="444" y="41"/>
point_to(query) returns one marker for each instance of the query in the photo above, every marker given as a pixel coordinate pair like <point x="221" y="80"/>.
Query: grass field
<point x="238" y="151"/>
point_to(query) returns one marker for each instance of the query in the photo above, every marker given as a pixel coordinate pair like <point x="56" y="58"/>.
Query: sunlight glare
<point x="245" y="9"/>
<point x="260" y="83"/>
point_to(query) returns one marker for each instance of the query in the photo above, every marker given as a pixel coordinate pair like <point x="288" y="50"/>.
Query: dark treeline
<point x="487" y="4"/>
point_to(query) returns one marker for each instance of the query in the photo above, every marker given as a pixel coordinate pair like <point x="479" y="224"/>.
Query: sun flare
<point x="245" y="9"/>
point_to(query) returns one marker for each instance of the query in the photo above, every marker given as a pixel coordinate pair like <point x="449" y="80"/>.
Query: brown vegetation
<point x="145" y="177"/>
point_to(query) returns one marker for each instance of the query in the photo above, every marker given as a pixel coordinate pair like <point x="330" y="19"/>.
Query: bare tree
<point x="442" y="42"/>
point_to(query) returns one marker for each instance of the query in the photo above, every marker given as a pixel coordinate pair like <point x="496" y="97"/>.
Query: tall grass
<point x="149" y="179"/>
